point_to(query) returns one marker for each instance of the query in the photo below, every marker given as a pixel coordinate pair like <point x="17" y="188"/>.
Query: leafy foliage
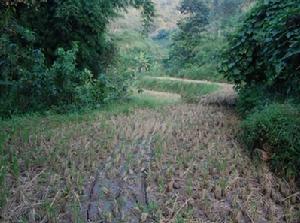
<point x="203" y="65"/>
<point x="39" y="65"/>
<point x="265" y="51"/>
<point x="189" y="34"/>
<point x="263" y="60"/>
<point x="195" y="51"/>
<point x="277" y="130"/>
<point x="39" y="87"/>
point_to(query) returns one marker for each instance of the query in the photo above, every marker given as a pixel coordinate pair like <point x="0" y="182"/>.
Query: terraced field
<point x="183" y="164"/>
<point x="176" y="163"/>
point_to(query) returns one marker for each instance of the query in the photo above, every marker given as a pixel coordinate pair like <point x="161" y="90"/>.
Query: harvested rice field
<point x="180" y="162"/>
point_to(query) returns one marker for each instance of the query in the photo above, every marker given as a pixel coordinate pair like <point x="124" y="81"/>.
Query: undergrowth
<point x="275" y="130"/>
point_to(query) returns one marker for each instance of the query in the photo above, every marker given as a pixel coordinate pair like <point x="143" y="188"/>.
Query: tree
<point x="263" y="57"/>
<point x="57" y="23"/>
<point x="190" y="32"/>
<point x="34" y="32"/>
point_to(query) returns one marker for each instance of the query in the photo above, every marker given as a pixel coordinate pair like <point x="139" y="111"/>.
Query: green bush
<point x="263" y="60"/>
<point x="203" y="61"/>
<point x="265" y="50"/>
<point x="276" y="128"/>
<point x="40" y="88"/>
<point x="57" y="24"/>
<point x="250" y="99"/>
<point x="203" y="65"/>
<point x="40" y="68"/>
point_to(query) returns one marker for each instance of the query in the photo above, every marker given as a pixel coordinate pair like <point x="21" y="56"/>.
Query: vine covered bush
<point x="264" y="54"/>
<point x="263" y="60"/>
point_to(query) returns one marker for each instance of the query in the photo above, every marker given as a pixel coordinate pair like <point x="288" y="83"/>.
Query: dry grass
<point x="177" y="164"/>
<point x="206" y="177"/>
<point x="54" y="166"/>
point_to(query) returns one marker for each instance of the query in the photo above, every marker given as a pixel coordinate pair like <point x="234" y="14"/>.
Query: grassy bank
<point x="190" y="92"/>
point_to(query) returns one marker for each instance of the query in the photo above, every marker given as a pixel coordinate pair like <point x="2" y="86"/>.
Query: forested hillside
<point x="167" y="111"/>
<point x="166" y="17"/>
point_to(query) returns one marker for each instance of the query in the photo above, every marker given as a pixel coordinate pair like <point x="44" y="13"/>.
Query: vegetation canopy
<point x="264" y="54"/>
<point x="263" y="60"/>
<point x="52" y="51"/>
<point x="195" y="51"/>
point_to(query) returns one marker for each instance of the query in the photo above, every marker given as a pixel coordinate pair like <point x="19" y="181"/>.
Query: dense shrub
<point x="265" y="51"/>
<point x="204" y="72"/>
<point x="39" y="87"/>
<point x="203" y="64"/>
<point x="54" y="24"/>
<point x="276" y="129"/>
<point x="39" y="66"/>
<point x="263" y="60"/>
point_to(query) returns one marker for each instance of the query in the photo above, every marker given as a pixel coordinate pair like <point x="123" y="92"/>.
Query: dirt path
<point x="182" y="163"/>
